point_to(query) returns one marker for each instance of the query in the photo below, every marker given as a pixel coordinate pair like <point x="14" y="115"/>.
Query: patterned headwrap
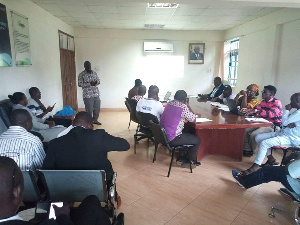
<point x="255" y="87"/>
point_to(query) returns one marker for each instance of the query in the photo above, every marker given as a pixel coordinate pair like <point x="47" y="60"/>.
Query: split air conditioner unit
<point x="152" y="46"/>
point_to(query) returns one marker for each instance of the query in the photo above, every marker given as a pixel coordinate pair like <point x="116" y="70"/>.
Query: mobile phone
<point x="52" y="212"/>
<point x="42" y="210"/>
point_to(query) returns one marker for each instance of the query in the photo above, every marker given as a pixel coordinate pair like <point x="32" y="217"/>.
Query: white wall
<point x="45" y="70"/>
<point x="118" y="57"/>
<point x="270" y="52"/>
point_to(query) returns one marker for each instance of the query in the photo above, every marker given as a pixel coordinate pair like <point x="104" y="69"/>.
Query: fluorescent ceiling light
<point x="163" y="5"/>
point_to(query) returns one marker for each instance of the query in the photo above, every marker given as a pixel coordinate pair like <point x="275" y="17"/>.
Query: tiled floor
<point x="207" y="196"/>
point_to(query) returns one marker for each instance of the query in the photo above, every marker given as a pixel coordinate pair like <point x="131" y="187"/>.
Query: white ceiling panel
<point x="82" y="15"/>
<point x="207" y="18"/>
<point x="158" y="11"/>
<point x="59" y="13"/>
<point x="74" y="8"/>
<point x="188" y="12"/>
<point x="131" y="17"/>
<point x="107" y="15"/>
<point x="133" y="14"/>
<point x="103" y="9"/>
<point x="49" y="6"/>
<point x="132" y="10"/>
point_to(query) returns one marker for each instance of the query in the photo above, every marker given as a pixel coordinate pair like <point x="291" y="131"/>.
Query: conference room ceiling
<point x="135" y="14"/>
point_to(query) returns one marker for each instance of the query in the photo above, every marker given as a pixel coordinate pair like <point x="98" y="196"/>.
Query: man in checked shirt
<point x="88" y="80"/>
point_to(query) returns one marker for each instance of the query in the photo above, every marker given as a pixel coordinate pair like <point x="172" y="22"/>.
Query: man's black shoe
<point x="97" y="123"/>
<point x="119" y="220"/>
<point x="195" y="163"/>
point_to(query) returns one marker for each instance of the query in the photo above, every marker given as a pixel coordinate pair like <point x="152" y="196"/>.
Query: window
<point x="233" y="61"/>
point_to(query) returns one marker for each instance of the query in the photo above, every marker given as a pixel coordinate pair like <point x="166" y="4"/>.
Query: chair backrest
<point x="132" y="106"/>
<point x="127" y="105"/>
<point x="3" y="127"/>
<point x="159" y="133"/>
<point x="5" y="110"/>
<point x="144" y="119"/>
<point x="31" y="190"/>
<point x="75" y="185"/>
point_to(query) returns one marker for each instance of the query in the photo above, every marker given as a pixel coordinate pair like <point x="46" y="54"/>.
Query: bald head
<point x="22" y="118"/>
<point x="83" y="119"/>
<point x="11" y="188"/>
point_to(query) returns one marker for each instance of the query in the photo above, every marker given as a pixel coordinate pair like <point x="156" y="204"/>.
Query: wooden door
<point x="68" y="71"/>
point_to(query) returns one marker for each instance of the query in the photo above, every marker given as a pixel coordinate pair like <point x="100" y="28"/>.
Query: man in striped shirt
<point x="20" y="145"/>
<point x="270" y="108"/>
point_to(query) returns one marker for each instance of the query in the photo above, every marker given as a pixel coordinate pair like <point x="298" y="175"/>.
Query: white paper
<point x="257" y="120"/>
<point x="225" y="109"/>
<point x="193" y="96"/>
<point x="200" y="120"/>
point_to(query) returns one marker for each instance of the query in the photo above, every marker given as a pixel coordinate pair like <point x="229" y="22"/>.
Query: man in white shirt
<point x="151" y="104"/>
<point x="20" y="145"/>
<point x="227" y="94"/>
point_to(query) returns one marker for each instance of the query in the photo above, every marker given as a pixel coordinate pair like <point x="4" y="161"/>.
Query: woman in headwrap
<point x="248" y="100"/>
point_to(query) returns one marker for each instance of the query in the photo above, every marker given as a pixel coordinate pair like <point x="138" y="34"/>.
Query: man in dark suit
<point x="11" y="194"/>
<point x="196" y="55"/>
<point x="217" y="90"/>
<point x="83" y="148"/>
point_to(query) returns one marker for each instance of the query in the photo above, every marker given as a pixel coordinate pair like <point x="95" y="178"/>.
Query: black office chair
<point x="75" y="185"/>
<point x="144" y="130"/>
<point x="131" y="106"/>
<point x="161" y="137"/>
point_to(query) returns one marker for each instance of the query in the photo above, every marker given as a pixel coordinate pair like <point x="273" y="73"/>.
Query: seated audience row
<point x="88" y="148"/>
<point x="47" y="128"/>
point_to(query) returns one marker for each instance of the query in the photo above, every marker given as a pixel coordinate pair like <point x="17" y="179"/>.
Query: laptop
<point x="167" y="97"/>
<point x="233" y="107"/>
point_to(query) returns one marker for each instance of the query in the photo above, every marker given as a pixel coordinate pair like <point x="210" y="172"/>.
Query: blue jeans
<point x="266" y="175"/>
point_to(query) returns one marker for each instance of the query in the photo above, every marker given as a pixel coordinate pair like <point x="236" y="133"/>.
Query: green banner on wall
<point x="5" y="48"/>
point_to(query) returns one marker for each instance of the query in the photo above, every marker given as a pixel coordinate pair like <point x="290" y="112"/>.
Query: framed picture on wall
<point x="196" y="53"/>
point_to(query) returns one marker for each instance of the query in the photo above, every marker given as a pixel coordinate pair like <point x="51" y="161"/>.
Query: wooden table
<point x="224" y="135"/>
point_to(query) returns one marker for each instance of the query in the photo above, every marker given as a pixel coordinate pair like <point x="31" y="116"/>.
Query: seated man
<point x="173" y="119"/>
<point x="289" y="135"/>
<point x="151" y="104"/>
<point x="270" y="108"/>
<point x="40" y="111"/>
<point x="141" y="93"/>
<point x="134" y="91"/>
<point x="83" y="148"/>
<point x="288" y="176"/>
<point x="20" y="145"/>
<point x="48" y="131"/>
<point x="217" y="90"/>
<point x="11" y="192"/>
<point x="227" y="94"/>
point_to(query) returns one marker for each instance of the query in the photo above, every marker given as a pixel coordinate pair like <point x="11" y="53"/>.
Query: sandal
<point x="270" y="163"/>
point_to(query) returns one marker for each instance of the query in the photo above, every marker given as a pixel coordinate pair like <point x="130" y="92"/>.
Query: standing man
<point x="89" y="80"/>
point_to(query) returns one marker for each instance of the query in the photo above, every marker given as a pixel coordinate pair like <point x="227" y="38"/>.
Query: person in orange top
<point x="248" y="100"/>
